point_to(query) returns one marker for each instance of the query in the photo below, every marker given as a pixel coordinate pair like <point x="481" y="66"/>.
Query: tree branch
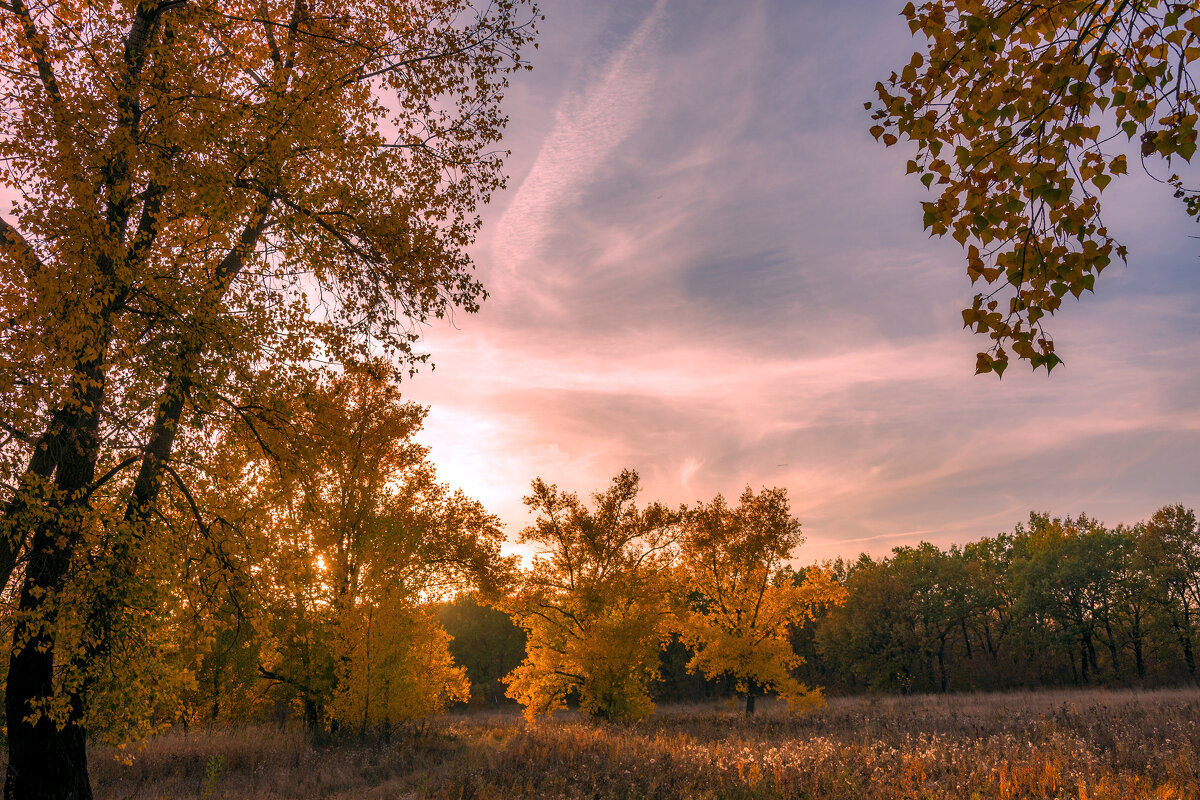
<point x="22" y="244"/>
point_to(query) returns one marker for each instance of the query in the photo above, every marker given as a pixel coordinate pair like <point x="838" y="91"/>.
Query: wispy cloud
<point x="589" y="125"/>
<point x="711" y="273"/>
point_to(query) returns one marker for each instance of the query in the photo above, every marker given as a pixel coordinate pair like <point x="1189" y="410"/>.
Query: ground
<point x="1062" y="744"/>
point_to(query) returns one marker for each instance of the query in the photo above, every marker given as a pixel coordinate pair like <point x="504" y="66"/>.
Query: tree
<point x="207" y="193"/>
<point x="593" y="601"/>
<point x="1171" y="541"/>
<point x="361" y="541"/>
<point x="1133" y="595"/>
<point x="485" y="642"/>
<point x="872" y="639"/>
<point x="938" y="603"/>
<point x="1062" y="579"/>
<point x="740" y="606"/>
<point x="1014" y="108"/>
<point x="988" y="563"/>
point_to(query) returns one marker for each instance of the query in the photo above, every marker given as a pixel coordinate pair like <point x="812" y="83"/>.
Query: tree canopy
<point x="594" y="601"/>
<point x="1057" y="601"/>
<point x="1019" y="111"/>
<point x="209" y="196"/>
<point x="740" y="605"/>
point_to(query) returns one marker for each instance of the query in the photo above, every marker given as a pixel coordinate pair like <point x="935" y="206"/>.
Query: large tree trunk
<point x="45" y="761"/>
<point x="47" y="757"/>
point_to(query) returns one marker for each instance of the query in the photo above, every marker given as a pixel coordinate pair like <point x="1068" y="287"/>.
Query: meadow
<point x="1085" y="745"/>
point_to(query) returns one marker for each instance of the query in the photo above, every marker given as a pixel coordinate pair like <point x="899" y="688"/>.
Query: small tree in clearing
<point x="594" y="601"/>
<point x="739" y="606"/>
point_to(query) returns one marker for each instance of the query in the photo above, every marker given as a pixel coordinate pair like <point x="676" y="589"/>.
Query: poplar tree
<point x="205" y="193"/>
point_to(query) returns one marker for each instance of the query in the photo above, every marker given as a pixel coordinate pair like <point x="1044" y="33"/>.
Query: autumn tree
<point x="359" y="542"/>
<point x="593" y="600"/>
<point x="1018" y="110"/>
<point x="205" y="193"/>
<point x="739" y="608"/>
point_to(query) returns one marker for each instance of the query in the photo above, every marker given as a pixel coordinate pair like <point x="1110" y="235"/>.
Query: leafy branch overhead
<point x="1020" y="112"/>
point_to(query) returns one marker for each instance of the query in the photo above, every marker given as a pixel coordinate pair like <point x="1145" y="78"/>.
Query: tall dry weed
<point x="1098" y="745"/>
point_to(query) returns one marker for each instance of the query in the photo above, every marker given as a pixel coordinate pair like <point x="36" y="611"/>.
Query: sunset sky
<point x="704" y="268"/>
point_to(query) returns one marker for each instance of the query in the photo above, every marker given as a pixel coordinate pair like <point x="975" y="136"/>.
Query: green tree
<point x="938" y="604"/>
<point x="1062" y="575"/>
<point x="872" y="639"/>
<point x="1013" y="108"/>
<point x="988" y="563"/>
<point x="1171" y="542"/>
<point x="1133" y="593"/>
<point x="485" y="642"/>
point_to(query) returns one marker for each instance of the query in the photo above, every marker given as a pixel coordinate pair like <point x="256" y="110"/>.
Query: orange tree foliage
<point x="593" y="601"/>
<point x="1017" y="109"/>
<point x="348" y="540"/>
<point x="205" y="193"/>
<point x="741" y="604"/>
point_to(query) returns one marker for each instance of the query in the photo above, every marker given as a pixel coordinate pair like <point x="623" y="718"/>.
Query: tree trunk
<point x="1111" y="644"/>
<point x="1091" y="653"/>
<point x="216" y="687"/>
<point x="312" y="716"/>
<point x="1185" y="639"/>
<point x="749" y="700"/>
<point x="47" y="761"/>
<point x="1137" y="634"/>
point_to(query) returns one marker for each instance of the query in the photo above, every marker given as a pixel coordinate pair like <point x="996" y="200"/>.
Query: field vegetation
<point x="219" y="537"/>
<point x="1057" y="744"/>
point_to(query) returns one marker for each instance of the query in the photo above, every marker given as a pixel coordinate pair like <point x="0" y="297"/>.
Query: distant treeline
<point x="1055" y="602"/>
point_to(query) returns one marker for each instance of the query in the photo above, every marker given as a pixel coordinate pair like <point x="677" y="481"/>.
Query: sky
<point x="704" y="268"/>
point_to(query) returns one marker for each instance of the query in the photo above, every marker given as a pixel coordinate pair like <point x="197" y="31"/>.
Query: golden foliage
<point x="594" y="600"/>
<point x="740" y="605"/>
<point x="208" y="197"/>
<point x="1014" y="108"/>
<point x="335" y="538"/>
<point x="394" y="665"/>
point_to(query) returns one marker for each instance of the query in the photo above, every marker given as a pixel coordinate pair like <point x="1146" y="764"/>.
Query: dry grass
<point x="1097" y="744"/>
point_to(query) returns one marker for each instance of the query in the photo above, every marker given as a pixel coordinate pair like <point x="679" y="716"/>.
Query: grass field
<point x="1095" y="744"/>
